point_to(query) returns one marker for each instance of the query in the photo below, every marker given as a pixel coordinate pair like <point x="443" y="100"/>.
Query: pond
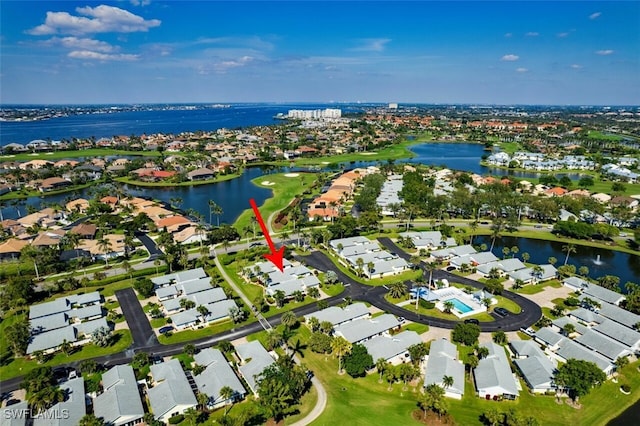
<point x="599" y="261"/>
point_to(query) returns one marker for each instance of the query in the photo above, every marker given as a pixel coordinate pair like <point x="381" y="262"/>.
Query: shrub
<point x="626" y="387"/>
<point x="176" y="419"/>
<point x="426" y="305"/>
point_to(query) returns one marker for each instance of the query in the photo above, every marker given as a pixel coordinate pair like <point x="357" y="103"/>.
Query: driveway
<point x="137" y="321"/>
<point x="150" y="245"/>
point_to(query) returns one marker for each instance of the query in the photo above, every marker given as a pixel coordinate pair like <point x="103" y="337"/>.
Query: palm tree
<point x="191" y="416"/>
<point x="447" y="381"/>
<point x="584" y="271"/>
<point x="203" y="400"/>
<point x="214" y="209"/>
<point x="496" y="229"/>
<point x="474" y="226"/>
<point x="525" y="257"/>
<point x="537" y="272"/>
<point x="226" y="393"/>
<point x="105" y="246"/>
<point x="360" y="265"/>
<point x="448" y="306"/>
<point x="381" y="366"/>
<point x="552" y="260"/>
<point x="341" y="347"/>
<point x="289" y="319"/>
<point x="430" y="266"/>
<point x="569" y="249"/>
<point x="397" y="290"/>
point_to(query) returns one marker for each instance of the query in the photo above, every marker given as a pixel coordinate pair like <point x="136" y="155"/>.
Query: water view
<point x="599" y="261"/>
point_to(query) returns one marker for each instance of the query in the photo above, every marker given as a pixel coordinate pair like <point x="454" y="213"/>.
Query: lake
<point x="623" y="265"/>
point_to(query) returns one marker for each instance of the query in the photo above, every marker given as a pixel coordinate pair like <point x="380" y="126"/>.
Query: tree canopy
<point x="579" y="377"/>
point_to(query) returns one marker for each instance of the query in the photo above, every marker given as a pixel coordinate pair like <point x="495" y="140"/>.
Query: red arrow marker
<point x="276" y="256"/>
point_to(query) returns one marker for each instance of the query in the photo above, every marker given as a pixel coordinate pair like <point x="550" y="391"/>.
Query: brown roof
<point x="12" y="246"/>
<point x="85" y="229"/>
<point x="172" y="221"/>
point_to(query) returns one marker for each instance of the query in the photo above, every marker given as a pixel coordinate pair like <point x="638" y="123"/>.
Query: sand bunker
<point x="292" y="175"/>
<point x="267" y="183"/>
<point x="368" y="153"/>
<point x="326" y="162"/>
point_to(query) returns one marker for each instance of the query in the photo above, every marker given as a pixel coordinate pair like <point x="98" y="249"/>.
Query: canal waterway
<point x="599" y="261"/>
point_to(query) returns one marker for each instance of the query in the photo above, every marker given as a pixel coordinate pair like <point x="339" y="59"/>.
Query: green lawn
<point x="210" y="330"/>
<point x="509" y="305"/>
<point x="21" y="366"/>
<point x="537" y="288"/>
<point x="89" y="153"/>
<point x="600" y="406"/>
<point x="333" y="289"/>
<point x="284" y="189"/>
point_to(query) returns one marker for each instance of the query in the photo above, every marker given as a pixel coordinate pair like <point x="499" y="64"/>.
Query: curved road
<point x="143" y="340"/>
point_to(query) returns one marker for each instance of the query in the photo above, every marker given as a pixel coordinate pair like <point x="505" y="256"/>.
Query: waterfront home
<point x="528" y="275"/>
<point x="473" y="259"/>
<point x="393" y="349"/>
<point x="254" y="358"/>
<point x="336" y="315"/>
<point x="53" y="183"/>
<point x="443" y="361"/>
<point x="493" y="376"/>
<point x="119" y="404"/>
<point x="79" y="205"/>
<point x="503" y="266"/>
<point x="217" y="374"/>
<point x="594" y="290"/>
<point x="449" y="252"/>
<point x="202" y="173"/>
<point x="170" y="394"/>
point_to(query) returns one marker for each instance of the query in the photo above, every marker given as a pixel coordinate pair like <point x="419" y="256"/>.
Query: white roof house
<point x="443" y="361"/>
<point x="336" y="315"/>
<point x="218" y="374"/>
<point x="535" y="367"/>
<point x="171" y="394"/>
<point x="594" y="291"/>
<point x="354" y="250"/>
<point x="625" y="335"/>
<point x="392" y="348"/>
<point x="120" y="402"/>
<point x="179" y="277"/>
<point x="569" y="349"/>
<point x="14" y="414"/>
<point x="493" y="376"/>
<point x="255" y="359"/>
<point x="473" y="259"/>
<point x="603" y="345"/>
<point x="73" y="405"/>
<point x="357" y="331"/>
<point x="450" y="252"/>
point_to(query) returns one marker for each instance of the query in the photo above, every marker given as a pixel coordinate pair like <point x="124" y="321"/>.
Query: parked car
<point x="166" y="329"/>
<point x="472" y="321"/>
<point x="501" y="311"/>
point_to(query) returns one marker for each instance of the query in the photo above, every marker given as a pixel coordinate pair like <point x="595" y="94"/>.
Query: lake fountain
<point x="598" y="261"/>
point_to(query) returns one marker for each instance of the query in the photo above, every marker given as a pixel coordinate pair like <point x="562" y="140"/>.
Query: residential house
<point x="493" y="376"/>
<point x="254" y="358"/>
<point x="536" y="368"/>
<point x="392" y="348"/>
<point x="443" y="361"/>
<point x="171" y="393"/>
<point x="336" y="315"/>
<point x="363" y="329"/>
<point x="119" y="404"/>
<point x="217" y="374"/>
<point x="68" y="412"/>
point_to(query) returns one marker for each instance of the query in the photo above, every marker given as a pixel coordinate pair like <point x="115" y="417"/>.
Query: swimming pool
<point x="463" y="308"/>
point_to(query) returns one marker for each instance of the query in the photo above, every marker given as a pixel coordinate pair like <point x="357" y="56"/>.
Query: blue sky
<point x="136" y="51"/>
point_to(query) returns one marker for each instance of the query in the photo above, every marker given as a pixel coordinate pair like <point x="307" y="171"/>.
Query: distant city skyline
<point x="148" y="51"/>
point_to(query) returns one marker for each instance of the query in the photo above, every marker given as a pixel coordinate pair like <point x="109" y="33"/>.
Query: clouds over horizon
<point x="510" y="57"/>
<point x="604" y="52"/>
<point x="371" y="45"/>
<point x="99" y="19"/>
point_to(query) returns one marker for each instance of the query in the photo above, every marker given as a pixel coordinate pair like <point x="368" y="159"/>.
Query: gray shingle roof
<point x="537" y="371"/>
<point x="602" y="344"/>
<point x="74" y="405"/>
<point x="355" y="331"/>
<point x="548" y="336"/>
<point x="15" y="414"/>
<point x="120" y="402"/>
<point x="494" y="371"/>
<point x="259" y="360"/>
<point x="570" y="349"/>
<point x="618" y="314"/>
<point x="619" y="332"/>
<point x="49" y="308"/>
<point x="217" y="375"/>
<point x="173" y="389"/>
<point x="51" y="339"/>
<point x="389" y="347"/>
<point x="50" y="322"/>
<point x="442" y="362"/>
<point x="336" y="315"/>
<point x="526" y="348"/>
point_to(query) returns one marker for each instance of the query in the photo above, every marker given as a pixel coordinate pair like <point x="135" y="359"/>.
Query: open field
<point x="284" y="189"/>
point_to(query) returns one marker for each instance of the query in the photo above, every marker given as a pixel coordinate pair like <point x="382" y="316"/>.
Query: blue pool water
<point x="460" y="306"/>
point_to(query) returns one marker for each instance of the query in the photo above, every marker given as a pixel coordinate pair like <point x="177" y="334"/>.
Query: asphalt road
<point x="150" y="245"/>
<point x="141" y="331"/>
<point x="145" y="340"/>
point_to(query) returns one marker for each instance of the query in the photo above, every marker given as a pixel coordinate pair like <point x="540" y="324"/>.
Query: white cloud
<point x="99" y="19"/>
<point x="595" y="15"/>
<point x="563" y="35"/>
<point x="224" y="66"/>
<point x="371" y="45"/>
<point x="521" y="70"/>
<point x="604" y="52"/>
<point x="532" y="34"/>
<point x="508" y="35"/>
<point x="87" y="54"/>
<point x="576" y="66"/>
<point x="81" y="44"/>
<point x="140" y="2"/>
<point x="510" y="57"/>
